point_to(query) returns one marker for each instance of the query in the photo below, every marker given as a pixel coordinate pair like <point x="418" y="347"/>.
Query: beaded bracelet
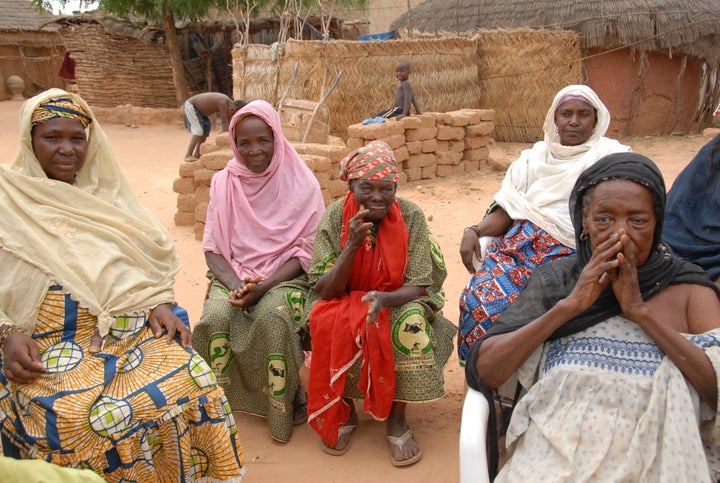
<point x="5" y="331"/>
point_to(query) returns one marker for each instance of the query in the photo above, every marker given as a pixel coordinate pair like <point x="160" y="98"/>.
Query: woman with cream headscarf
<point x="529" y="217"/>
<point x="264" y="209"/>
<point x="97" y="371"/>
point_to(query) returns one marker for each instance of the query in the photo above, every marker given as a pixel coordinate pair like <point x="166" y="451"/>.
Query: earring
<point x="556" y="131"/>
<point x="583" y="236"/>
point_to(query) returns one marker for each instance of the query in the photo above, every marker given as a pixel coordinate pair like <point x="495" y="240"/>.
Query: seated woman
<point x="97" y="370"/>
<point x="529" y="216"/>
<point x="692" y="218"/>
<point x="617" y="345"/>
<point x="377" y="330"/>
<point x="264" y="209"/>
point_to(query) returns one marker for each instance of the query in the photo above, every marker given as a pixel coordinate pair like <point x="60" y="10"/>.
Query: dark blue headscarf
<point x="692" y="220"/>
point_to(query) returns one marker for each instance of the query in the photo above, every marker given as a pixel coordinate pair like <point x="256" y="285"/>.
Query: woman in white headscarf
<point x="97" y="371"/>
<point x="529" y="217"/>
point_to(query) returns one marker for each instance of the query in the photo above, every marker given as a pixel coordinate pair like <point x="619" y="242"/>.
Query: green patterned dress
<point x="256" y="352"/>
<point x="422" y="337"/>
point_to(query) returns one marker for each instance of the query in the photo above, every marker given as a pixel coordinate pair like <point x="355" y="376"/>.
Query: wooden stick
<point x="287" y="89"/>
<point x="317" y="107"/>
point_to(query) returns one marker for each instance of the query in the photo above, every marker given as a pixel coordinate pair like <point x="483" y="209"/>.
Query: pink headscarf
<point x="259" y="221"/>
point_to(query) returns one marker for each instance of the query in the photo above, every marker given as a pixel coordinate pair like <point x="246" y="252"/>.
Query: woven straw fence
<point x="254" y="73"/>
<point x="116" y="70"/>
<point x="443" y="76"/>
<point x="520" y="73"/>
<point x="514" y="72"/>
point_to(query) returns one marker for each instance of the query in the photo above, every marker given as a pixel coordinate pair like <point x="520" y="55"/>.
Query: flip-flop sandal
<point x="344" y="431"/>
<point x="399" y="443"/>
<point x="300" y="414"/>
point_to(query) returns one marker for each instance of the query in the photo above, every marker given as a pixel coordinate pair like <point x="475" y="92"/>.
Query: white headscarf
<point x="93" y="237"/>
<point x="537" y="185"/>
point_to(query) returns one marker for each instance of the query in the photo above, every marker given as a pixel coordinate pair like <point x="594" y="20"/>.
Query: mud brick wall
<point x="433" y="145"/>
<point x="426" y="146"/>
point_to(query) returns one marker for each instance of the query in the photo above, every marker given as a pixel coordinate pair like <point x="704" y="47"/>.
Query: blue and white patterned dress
<point x="609" y="406"/>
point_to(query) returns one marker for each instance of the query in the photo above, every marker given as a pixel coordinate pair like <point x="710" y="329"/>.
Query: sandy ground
<point x="151" y="155"/>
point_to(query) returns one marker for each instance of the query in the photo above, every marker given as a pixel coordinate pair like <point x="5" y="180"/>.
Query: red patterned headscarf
<point x="374" y="161"/>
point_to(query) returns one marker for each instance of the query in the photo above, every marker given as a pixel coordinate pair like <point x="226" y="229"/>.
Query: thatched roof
<point x="130" y="26"/>
<point x="686" y="26"/>
<point x="21" y="15"/>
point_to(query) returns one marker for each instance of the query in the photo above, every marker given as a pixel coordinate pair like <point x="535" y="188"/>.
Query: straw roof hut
<point x="26" y="50"/>
<point x="654" y="63"/>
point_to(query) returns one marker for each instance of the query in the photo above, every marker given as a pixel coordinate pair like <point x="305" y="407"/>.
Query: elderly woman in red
<point x="377" y="330"/>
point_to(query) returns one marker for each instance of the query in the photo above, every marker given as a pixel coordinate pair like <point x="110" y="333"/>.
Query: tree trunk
<point x="176" y="62"/>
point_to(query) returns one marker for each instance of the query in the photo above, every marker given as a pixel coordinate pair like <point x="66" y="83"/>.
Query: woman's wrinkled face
<point x="60" y="145"/>
<point x="575" y="121"/>
<point x="622" y="204"/>
<point x="255" y="143"/>
<point x="375" y="196"/>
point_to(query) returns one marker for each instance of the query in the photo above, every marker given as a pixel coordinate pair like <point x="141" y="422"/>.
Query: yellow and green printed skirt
<point x="139" y="410"/>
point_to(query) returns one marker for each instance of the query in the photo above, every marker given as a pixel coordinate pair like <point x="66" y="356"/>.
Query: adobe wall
<point x="615" y="76"/>
<point x="426" y="146"/>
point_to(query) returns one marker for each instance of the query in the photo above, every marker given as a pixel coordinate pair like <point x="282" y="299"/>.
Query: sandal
<point x="343" y="432"/>
<point x="399" y="443"/>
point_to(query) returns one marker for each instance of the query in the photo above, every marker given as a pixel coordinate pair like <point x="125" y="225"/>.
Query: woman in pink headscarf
<point x="261" y="221"/>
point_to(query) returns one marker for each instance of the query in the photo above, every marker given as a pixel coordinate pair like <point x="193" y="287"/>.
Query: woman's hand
<point x="247" y="294"/>
<point x="624" y="280"/>
<point x="21" y="359"/>
<point x="597" y="275"/>
<point x="163" y="316"/>
<point x="377" y="303"/>
<point x="359" y="228"/>
<point x="469" y="246"/>
<point x="495" y="224"/>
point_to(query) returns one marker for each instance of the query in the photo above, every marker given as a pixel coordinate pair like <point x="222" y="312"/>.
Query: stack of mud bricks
<point x="426" y="146"/>
<point x="433" y="144"/>
<point x="193" y="185"/>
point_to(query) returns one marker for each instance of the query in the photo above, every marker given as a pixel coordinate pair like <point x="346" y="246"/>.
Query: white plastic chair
<point x="473" y="429"/>
<point x="475" y="413"/>
<point x="484" y="242"/>
<point x="473" y="425"/>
